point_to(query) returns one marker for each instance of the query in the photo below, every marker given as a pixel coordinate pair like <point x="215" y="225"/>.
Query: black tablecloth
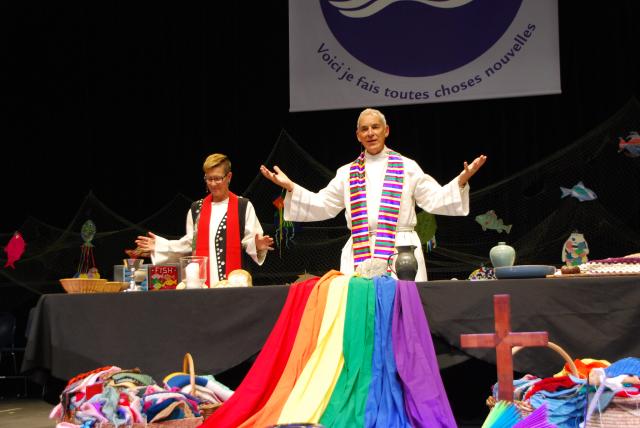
<point x="74" y="333"/>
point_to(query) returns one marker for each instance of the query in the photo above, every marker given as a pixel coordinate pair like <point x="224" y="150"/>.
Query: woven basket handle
<point x="559" y="350"/>
<point x="187" y="364"/>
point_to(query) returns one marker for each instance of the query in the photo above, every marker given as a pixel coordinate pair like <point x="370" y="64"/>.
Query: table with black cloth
<point x="596" y="317"/>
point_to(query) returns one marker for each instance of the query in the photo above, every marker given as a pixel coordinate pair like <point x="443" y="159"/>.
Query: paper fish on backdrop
<point x="630" y="145"/>
<point x="575" y="250"/>
<point x="579" y="192"/>
<point x="490" y="220"/>
<point x="14" y="249"/>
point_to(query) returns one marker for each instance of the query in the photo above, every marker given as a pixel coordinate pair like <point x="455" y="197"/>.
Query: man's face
<point x="371" y="133"/>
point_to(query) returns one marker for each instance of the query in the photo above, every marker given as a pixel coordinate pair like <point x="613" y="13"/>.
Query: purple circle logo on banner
<point x="417" y="38"/>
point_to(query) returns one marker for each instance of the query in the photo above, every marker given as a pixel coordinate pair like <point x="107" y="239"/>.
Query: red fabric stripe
<point x="257" y="386"/>
<point x="233" y="253"/>
<point x="233" y="250"/>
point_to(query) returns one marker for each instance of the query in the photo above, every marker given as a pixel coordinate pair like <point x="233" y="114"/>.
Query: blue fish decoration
<point x="580" y="192"/>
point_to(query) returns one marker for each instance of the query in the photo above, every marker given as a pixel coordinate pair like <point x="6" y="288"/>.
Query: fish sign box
<point x="163" y="277"/>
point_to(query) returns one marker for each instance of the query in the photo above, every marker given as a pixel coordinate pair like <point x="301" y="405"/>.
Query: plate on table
<point x="524" y="271"/>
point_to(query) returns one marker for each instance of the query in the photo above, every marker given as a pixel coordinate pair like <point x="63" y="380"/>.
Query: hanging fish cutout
<point x="14" y="249"/>
<point x="490" y="220"/>
<point x="88" y="231"/>
<point x="87" y="264"/>
<point x="575" y="250"/>
<point x="580" y="192"/>
<point x="285" y="230"/>
<point x="630" y="145"/>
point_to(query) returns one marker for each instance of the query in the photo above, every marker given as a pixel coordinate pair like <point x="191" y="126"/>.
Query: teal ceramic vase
<point x="502" y="255"/>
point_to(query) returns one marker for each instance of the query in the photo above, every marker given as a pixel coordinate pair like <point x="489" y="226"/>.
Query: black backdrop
<point x="122" y="97"/>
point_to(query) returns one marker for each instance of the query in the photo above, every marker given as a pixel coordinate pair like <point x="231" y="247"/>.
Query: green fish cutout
<point x="490" y="220"/>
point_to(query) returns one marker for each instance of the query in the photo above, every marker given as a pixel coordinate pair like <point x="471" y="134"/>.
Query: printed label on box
<point x="162" y="277"/>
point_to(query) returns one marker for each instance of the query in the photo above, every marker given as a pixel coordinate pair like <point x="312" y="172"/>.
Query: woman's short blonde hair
<point x="215" y="160"/>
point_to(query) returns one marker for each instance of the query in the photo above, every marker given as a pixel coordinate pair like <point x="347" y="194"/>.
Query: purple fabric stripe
<point x="393" y="186"/>
<point x="358" y="260"/>
<point x="426" y="401"/>
<point x="385" y="235"/>
<point x="381" y="252"/>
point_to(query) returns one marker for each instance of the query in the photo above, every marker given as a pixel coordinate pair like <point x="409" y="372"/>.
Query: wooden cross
<point x="503" y="340"/>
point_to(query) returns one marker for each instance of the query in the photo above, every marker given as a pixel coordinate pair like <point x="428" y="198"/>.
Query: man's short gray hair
<point x="373" y="112"/>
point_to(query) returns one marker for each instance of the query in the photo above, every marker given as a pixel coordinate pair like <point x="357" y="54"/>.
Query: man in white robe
<point x="217" y="169"/>
<point x="417" y="188"/>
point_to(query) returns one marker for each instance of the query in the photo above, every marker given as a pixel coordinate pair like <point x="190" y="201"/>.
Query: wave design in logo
<point x="418" y="38"/>
<point x="355" y="9"/>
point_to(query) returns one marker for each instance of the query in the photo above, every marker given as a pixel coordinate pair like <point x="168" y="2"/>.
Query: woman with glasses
<point x="222" y="226"/>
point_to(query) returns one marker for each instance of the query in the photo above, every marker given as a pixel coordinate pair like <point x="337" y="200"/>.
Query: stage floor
<point x="25" y="412"/>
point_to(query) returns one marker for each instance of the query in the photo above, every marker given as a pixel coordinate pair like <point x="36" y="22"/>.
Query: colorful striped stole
<point x="388" y="212"/>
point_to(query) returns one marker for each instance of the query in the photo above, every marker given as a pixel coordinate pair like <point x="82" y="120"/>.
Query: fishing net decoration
<point x="530" y="200"/>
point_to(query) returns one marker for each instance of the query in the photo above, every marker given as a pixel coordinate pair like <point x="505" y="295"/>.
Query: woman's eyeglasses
<point x="215" y="178"/>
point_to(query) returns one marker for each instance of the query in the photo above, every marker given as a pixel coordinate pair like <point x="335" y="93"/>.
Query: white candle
<point x="192" y="272"/>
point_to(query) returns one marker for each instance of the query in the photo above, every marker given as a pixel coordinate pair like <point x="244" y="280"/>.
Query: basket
<point x="621" y="412"/>
<point x="206" y="409"/>
<point x="91" y="285"/>
<point x="524" y="406"/>
<point x="174" y="423"/>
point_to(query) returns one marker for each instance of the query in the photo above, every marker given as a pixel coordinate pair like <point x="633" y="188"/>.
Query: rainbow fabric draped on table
<point x="346" y="351"/>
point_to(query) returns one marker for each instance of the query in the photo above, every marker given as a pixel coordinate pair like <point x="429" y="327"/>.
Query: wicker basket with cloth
<point x="524" y="406"/>
<point x="209" y="392"/>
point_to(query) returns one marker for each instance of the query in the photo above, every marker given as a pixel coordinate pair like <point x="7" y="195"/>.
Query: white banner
<point x="359" y="53"/>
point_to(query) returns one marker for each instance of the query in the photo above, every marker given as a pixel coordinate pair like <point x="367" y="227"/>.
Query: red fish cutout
<point x="14" y="249"/>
